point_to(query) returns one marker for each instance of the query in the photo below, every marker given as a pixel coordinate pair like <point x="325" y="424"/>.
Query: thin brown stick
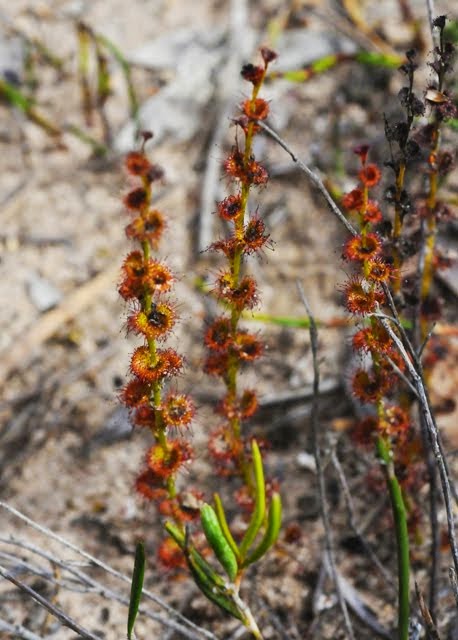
<point x="319" y="466"/>
<point x="454" y="582"/>
<point x="94" y="586"/>
<point x="18" y="631"/>
<point x="352" y="520"/>
<point x="146" y="594"/>
<point x="434" y="437"/>
<point x="65" y="619"/>
<point x="359" y="609"/>
<point x="313" y="177"/>
<point x="431" y="629"/>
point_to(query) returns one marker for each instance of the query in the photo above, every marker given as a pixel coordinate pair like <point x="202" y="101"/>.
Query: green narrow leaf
<point x="213" y="591"/>
<point x="282" y="321"/>
<point x="212" y="585"/>
<point x="103" y="77"/>
<point x="224" y="526"/>
<point x="325" y="63"/>
<point x="190" y="551"/>
<point x="136" y="587"/>
<point x="20" y="101"/>
<point x="98" y="148"/>
<point x="217" y="540"/>
<point x="126" y="70"/>
<point x="14" y="96"/>
<point x="259" y="511"/>
<point x="271" y="532"/>
<point x="376" y="59"/>
<point x="176" y="534"/>
<point x="299" y="75"/>
<point x="84" y="42"/>
<point x="402" y="535"/>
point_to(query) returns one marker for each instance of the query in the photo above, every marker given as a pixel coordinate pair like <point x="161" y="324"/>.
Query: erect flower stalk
<point x="229" y="346"/>
<point x="389" y="424"/>
<point x="147" y="285"/>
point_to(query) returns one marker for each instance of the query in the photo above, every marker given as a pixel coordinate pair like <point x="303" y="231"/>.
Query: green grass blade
<point x="326" y="63"/>
<point x="282" y="321"/>
<point x="14" y="96"/>
<point x="126" y="69"/>
<point x="376" y="59"/>
<point x="219" y="509"/>
<point x="17" y="99"/>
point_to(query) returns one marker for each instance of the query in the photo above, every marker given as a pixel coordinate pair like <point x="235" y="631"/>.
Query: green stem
<point x="159" y="431"/>
<point x="402" y="536"/>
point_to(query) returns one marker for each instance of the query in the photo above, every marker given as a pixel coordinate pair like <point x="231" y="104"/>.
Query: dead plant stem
<point x="319" y="467"/>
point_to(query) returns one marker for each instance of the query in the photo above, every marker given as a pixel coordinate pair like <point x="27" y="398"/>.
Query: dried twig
<point x="91" y="585"/>
<point x="18" y="631"/>
<point x="199" y="631"/>
<point x="352" y="520"/>
<point x="313" y="177"/>
<point x="353" y="600"/>
<point x="431" y="629"/>
<point x="319" y="467"/>
<point x="454" y="583"/>
<point x="19" y="566"/>
<point x="65" y="619"/>
<point x="334" y="20"/>
<point x="402" y="377"/>
<point x="434" y="437"/>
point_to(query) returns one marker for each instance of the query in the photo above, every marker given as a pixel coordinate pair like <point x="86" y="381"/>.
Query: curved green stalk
<point x="271" y="532"/>
<point x="259" y="511"/>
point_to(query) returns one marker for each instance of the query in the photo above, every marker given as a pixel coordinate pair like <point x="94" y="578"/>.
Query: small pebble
<point x="42" y="293"/>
